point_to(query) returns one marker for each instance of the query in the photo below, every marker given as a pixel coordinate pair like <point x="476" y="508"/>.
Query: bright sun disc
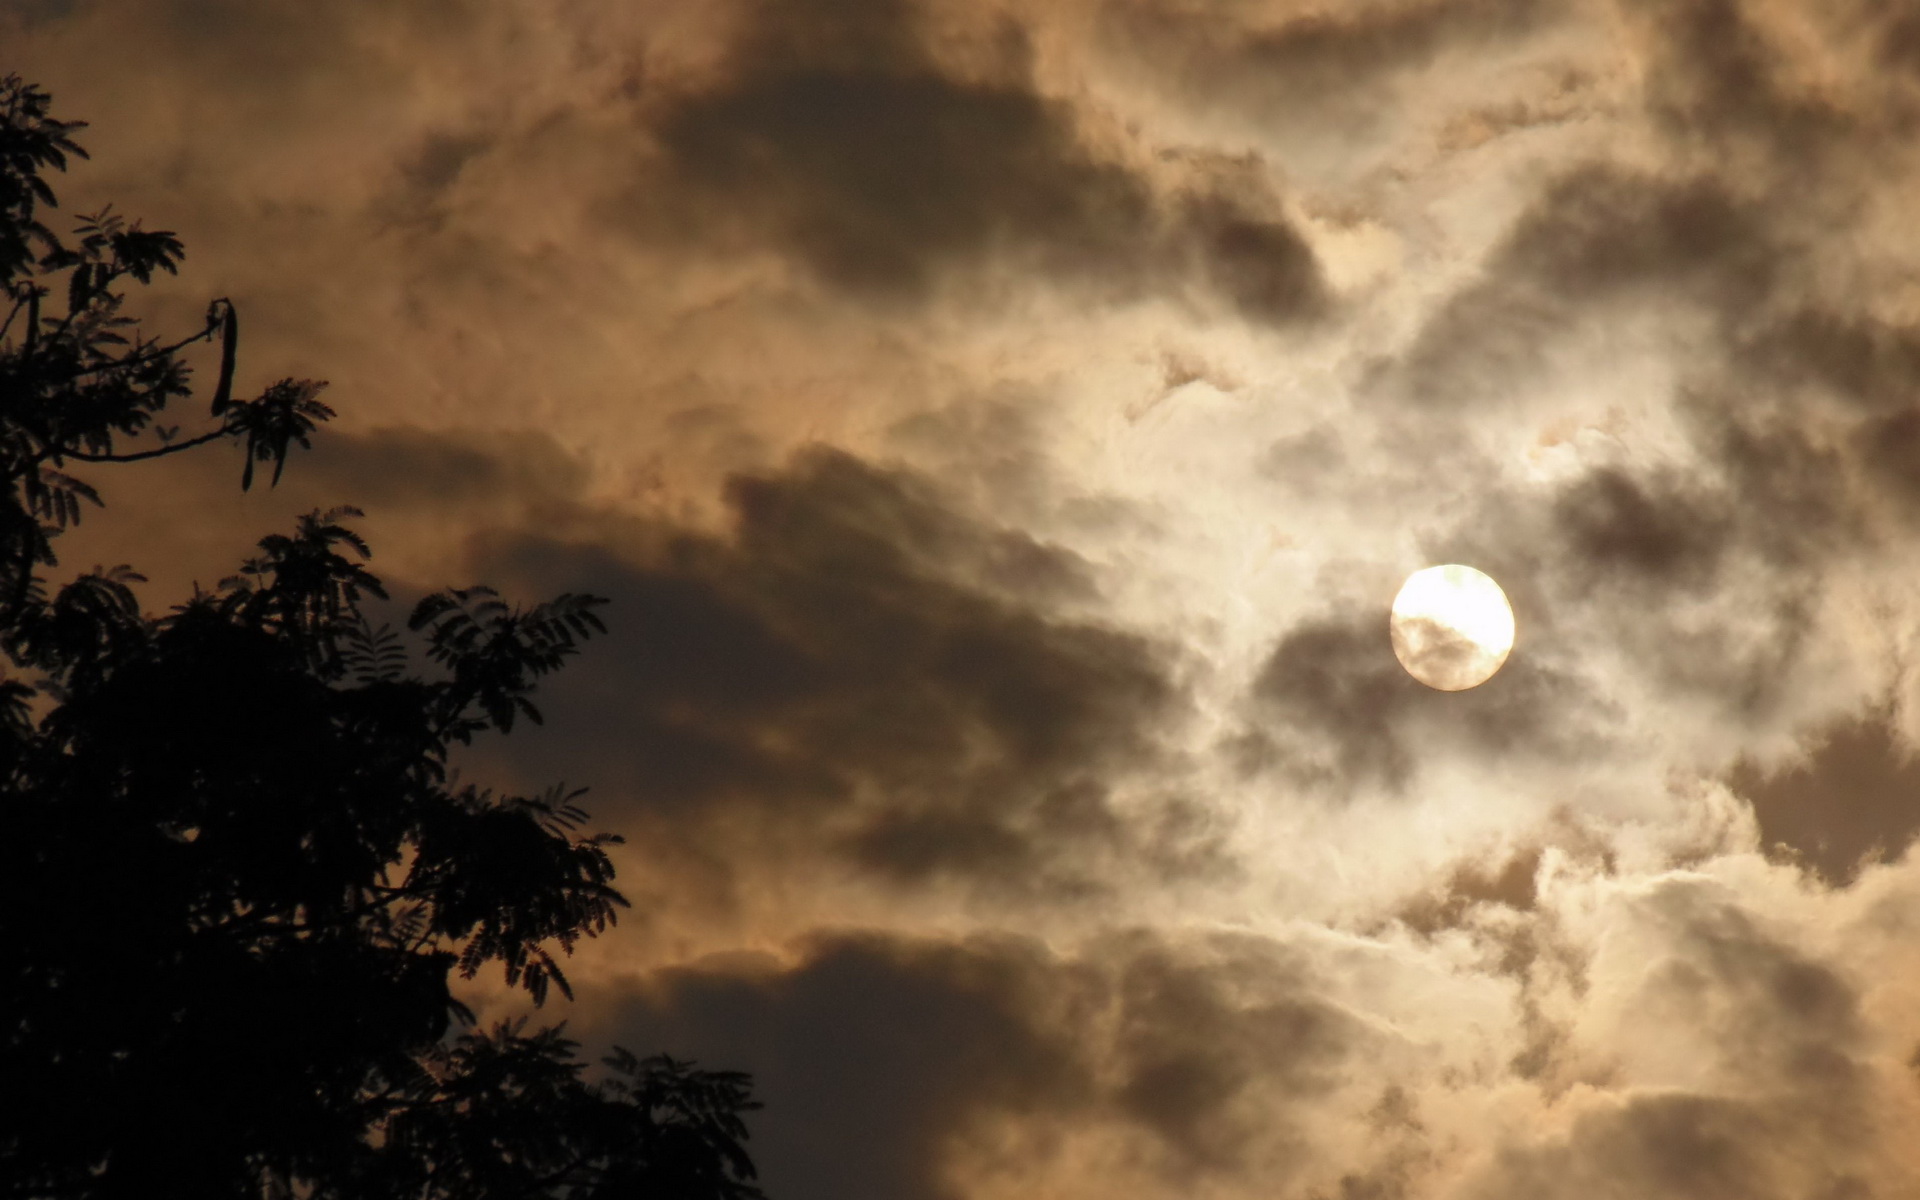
<point x="1452" y="627"/>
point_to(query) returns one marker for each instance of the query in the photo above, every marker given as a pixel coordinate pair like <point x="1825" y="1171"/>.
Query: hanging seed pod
<point x="229" y="348"/>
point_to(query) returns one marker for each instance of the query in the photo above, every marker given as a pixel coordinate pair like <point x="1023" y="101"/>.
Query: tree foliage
<point x="238" y="874"/>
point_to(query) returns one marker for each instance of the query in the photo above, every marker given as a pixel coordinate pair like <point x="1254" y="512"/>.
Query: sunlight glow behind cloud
<point x="1000" y="433"/>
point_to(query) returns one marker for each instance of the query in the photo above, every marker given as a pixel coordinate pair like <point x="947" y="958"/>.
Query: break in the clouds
<point x="1001" y="433"/>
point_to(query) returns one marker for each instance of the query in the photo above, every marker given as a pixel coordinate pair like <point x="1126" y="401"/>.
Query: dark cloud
<point x="32" y="13"/>
<point x="1306" y="463"/>
<point x="1657" y="528"/>
<point x="1337" y="679"/>
<point x="1787" y="493"/>
<point x="1333" y="67"/>
<point x="842" y="136"/>
<point x="441" y="157"/>
<point x="886" y="1059"/>
<point x="1623" y="553"/>
<point x="878" y="168"/>
<point x="427" y="174"/>
<point x="1814" y="429"/>
<point x="1890" y="445"/>
<point x="1216" y="1043"/>
<point x="1717" y="73"/>
<point x="1699" y="1146"/>
<point x="1851" y="799"/>
<point x="1601" y="239"/>
<point x="991" y="446"/>
<point x="1508" y="883"/>
<point x="1602" y="229"/>
<point x="872" y="1053"/>
<point x="1772" y="1012"/>
<point x="1775" y="1102"/>
<point x="1794" y="406"/>
<point x="1899" y="46"/>
<point x="1865" y="360"/>
<point x="411" y="467"/>
<point x="862" y="665"/>
<point x="1617" y="561"/>
<point x="1331" y="704"/>
<point x="859" y="699"/>
<point x="1565" y="101"/>
<point x="878" y="1054"/>
<point x="1261" y="265"/>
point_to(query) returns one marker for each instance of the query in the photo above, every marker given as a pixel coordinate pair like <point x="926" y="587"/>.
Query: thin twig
<point x="159" y="452"/>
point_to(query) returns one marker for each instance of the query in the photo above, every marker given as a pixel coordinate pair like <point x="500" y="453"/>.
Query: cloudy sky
<point x="1001" y="430"/>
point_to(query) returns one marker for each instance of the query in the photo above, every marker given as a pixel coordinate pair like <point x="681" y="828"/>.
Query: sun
<point x="1452" y="627"/>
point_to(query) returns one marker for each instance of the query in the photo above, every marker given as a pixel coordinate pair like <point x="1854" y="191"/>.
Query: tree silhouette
<point x="237" y="873"/>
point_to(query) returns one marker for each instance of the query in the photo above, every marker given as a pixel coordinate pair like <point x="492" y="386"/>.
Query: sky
<point x="1001" y="430"/>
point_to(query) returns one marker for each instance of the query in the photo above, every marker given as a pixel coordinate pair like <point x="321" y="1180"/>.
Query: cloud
<point x="1899" y="44"/>
<point x="1696" y="576"/>
<point x="1683" y="1145"/>
<point x="1717" y="71"/>
<point x="869" y="671"/>
<point x="1852" y="798"/>
<point x="1612" y="523"/>
<point x="837" y="134"/>
<point x="1341" y="68"/>
<point x="1864" y="359"/>
<point x="1332" y="706"/>
<point x="878" y="1051"/>
<point x="1511" y="884"/>
<point x="901" y="1064"/>
<point x="895" y="159"/>
<point x="1599" y="240"/>
<point x="1691" y="1041"/>
<point x="413" y="467"/>
<point x="1018" y="780"/>
<point x="1774" y="1096"/>
<point x="1260" y="264"/>
<point x="1218" y="1041"/>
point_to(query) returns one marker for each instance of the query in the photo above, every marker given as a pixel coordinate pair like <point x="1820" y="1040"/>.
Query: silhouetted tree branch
<point x="237" y="876"/>
<point x="140" y="455"/>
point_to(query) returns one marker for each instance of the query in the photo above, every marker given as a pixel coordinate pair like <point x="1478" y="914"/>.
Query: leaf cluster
<point x="79" y="380"/>
<point x="490" y="1120"/>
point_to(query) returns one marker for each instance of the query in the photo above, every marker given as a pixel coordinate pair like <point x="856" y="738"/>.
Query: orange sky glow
<point x="1001" y="431"/>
